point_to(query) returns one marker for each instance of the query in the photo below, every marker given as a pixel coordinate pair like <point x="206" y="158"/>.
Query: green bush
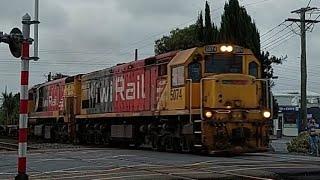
<point x="299" y="144"/>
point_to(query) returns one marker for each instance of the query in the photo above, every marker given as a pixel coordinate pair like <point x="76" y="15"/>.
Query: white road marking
<point x="94" y="175"/>
<point x="274" y="167"/>
<point x="121" y="177"/>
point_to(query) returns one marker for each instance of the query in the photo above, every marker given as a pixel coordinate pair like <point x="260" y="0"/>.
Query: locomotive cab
<point x="231" y="80"/>
<point x="221" y="89"/>
<point x="232" y="104"/>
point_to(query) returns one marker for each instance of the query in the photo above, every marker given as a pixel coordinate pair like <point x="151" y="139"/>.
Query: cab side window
<point x="194" y="70"/>
<point x="177" y="74"/>
<point x="253" y="69"/>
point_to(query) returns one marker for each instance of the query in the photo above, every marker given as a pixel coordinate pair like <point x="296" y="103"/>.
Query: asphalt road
<point x="111" y="163"/>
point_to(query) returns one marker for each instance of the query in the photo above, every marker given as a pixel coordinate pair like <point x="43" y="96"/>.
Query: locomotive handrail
<point x="267" y="90"/>
<point x="201" y="94"/>
<point x="190" y="100"/>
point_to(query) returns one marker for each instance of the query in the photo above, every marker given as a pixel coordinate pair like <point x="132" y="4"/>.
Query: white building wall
<point x="292" y="98"/>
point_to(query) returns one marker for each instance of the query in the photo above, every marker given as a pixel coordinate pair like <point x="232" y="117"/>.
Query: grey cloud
<point x="149" y="8"/>
<point x="99" y="32"/>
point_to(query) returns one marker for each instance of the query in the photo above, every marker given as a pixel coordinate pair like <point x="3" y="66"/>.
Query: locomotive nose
<point x="233" y="92"/>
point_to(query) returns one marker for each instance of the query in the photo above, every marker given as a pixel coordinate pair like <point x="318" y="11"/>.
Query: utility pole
<point x="303" y="66"/>
<point x="136" y="54"/>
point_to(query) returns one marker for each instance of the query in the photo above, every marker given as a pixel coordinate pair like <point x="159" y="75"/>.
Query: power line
<point x="66" y="52"/>
<point x="314" y="67"/>
<point x="280" y="43"/>
<point x="276" y="34"/>
<point x="313" y="74"/>
<point x="309" y="3"/>
<point x="284" y="38"/>
<point x="63" y="51"/>
<point x="286" y="35"/>
<point x="298" y="62"/>
<point x="269" y="31"/>
<point x="288" y="78"/>
<point x="258" y="2"/>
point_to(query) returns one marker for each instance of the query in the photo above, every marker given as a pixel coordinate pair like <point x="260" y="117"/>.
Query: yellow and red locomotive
<point x="208" y="98"/>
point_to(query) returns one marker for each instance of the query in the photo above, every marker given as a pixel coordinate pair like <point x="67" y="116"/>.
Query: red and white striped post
<point x="23" y="120"/>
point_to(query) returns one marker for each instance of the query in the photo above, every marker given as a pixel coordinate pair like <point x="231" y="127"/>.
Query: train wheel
<point x="155" y="144"/>
<point x="168" y="143"/>
<point x="87" y="138"/>
<point x="186" y="144"/>
<point x="98" y="139"/>
<point x="158" y="143"/>
<point x="177" y="147"/>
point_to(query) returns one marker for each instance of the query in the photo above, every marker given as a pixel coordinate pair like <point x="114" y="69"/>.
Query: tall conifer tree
<point x="200" y="29"/>
<point x="238" y="28"/>
<point x="208" y="29"/>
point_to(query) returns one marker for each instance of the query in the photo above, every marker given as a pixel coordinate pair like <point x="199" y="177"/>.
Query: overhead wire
<point x="309" y="3"/>
<point x="63" y="51"/>
<point x="273" y="46"/>
<point x="272" y="29"/>
<point x="70" y="52"/>
<point x="277" y="33"/>
<point x="134" y="43"/>
<point x="317" y="17"/>
<point x="298" y="80"/>
<point x="295" y="71"/>
<point x="280" y="40"/>
<point x="294" y="64"/>
<point x="258" y="2"/>
<point x="272" y="43"/>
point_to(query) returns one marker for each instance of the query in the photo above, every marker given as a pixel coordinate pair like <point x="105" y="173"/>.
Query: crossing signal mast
<point x="304" y="27"/>
<point x="19" y="44"/>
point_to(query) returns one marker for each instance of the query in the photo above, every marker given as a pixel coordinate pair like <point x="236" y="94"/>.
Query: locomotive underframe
<point x="163" y="133"/>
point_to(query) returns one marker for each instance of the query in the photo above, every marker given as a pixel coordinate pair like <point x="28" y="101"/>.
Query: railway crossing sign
<point x="14" y="40"/>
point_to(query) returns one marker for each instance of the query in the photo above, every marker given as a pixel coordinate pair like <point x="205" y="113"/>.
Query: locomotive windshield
<point x="223" y="64"/>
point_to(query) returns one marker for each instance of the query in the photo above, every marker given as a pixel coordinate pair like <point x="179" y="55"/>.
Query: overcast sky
<point x="78" y="36"/>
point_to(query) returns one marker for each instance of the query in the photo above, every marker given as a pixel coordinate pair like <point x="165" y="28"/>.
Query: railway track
<point x="8" y="146"/>
<point x="136" y="164"/>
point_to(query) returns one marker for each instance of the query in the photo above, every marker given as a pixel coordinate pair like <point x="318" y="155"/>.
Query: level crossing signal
<point x="14" y="40"/>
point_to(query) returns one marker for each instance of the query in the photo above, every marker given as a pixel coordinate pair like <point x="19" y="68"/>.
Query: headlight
<point x="229" y="48"/>
<point x="223" y="48"/>
<point x="208" y="114"/>
<point x="226" y="48"/>
<point x="266" y="114"/>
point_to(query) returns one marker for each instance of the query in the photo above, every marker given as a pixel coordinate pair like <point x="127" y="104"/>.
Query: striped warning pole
<point x="23" y="120"/>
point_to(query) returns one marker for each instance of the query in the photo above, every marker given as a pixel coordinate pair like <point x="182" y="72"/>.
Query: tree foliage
<point x="208" y="29"/>
<point x="2" y="117"/>
<point x="178" y="39"/>
<point x="267" y="60"/>
<point x="201" y="33"/>
<point x="237" y="27"/>
<point x="200" y="28"/>
<point x="10" y="108"/>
